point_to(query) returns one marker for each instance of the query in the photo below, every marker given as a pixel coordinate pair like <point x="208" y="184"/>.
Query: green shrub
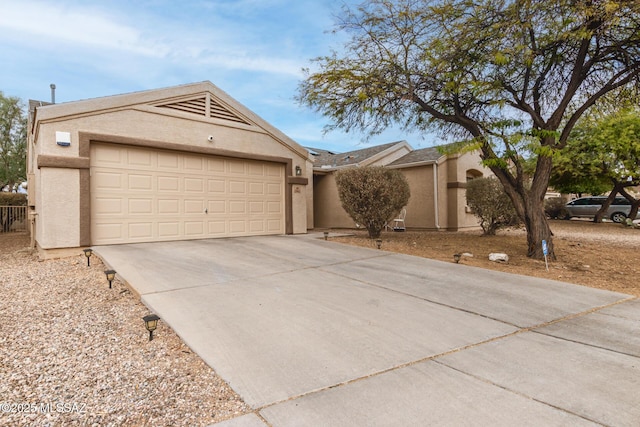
<point x="554" y="208"/>
<point x="12" y="199"/>
<point x="490" y="204"/>
<point x="372" y="196"/>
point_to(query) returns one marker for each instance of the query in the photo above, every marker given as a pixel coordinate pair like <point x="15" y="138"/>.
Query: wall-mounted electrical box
<point x="63" y="139"/>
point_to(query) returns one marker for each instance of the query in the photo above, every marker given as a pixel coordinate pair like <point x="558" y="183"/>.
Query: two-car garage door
<point x="146" y="195"/>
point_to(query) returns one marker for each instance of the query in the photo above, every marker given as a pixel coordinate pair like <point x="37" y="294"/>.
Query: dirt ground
<point x="604" y="256"/>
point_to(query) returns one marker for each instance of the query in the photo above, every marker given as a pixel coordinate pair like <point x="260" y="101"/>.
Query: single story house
<point x="437" y="182"/>
<point x="185" y="162"/>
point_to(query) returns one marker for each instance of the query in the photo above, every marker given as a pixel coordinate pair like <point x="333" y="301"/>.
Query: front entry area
<point x="141" y="194"/>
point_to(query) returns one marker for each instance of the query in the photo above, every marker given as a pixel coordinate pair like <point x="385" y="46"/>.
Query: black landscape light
<point x="456" y="257"/>
<point x="87" y="253"/>
<point x="151" y="323"/>
<point x="111" y="274"/>
<point x="379" y="243"/>
<point x="326" y="234"/>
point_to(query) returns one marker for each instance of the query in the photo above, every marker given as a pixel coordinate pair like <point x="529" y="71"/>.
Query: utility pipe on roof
<point x="435" y="194"/>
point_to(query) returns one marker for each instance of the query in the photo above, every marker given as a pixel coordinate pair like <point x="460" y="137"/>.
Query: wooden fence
<point x="13" y="219"/>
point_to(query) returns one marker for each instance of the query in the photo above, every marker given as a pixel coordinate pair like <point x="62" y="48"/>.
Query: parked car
<point x="587" y="207"/>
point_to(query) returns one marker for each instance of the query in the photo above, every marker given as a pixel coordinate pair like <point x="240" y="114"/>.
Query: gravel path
<point x="74" y="352"/>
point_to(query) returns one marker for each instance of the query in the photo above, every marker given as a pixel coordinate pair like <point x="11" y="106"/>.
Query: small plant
<point x="491" y="205"/>
<point x="372" y="195"/>
<point x="554" y="208"/>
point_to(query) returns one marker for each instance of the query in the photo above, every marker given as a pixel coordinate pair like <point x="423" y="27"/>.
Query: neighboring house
<point x="437" y="182"/>
<point x="185" y="162"/>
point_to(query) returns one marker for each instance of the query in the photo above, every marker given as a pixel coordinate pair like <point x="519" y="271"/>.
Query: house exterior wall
<point x="327" y="209"/>
<point x="420" y="209"/>
<point x="452" y="214"/>
<point x="60" y="174"/>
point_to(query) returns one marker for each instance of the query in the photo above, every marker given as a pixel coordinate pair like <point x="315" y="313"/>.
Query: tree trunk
<point x="605" y="206"/>
<point x="529" y="204"/>
<point x="538" y="231"/>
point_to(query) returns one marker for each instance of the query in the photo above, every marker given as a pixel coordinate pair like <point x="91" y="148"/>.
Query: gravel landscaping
<point x="74" y="352"/>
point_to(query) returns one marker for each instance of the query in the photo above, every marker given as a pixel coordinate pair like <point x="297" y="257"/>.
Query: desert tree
<point x="511" y="77"/>
<point x="13" y="142"/>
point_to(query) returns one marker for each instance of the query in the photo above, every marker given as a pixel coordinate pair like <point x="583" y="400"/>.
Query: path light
<point x="87" y="253"/>
<point x="111" y="274"/>
<point x="151" y="323"/>
<point x="326" y="234"/>
<point x="456" y="257"/>
<point x="379" y="243"/>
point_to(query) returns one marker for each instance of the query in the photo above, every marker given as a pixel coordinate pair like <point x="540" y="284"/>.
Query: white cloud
<point x="98" y="32"/>
<point x="46" y="23"/>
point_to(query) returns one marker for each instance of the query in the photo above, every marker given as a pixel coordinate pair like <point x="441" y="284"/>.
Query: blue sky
<point x="252" y="49"/>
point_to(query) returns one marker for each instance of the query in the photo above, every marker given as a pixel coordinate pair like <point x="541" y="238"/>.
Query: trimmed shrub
<point x="12" y="199"/>
<point x="554" y="208"/>
<point x="491" y="205"/>
<point x="372" y="196"/>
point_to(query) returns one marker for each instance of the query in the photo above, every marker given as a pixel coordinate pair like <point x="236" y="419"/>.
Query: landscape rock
<point x="498" y="257"/>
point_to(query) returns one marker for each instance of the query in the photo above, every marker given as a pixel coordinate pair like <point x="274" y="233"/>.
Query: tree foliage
<point x="511" y="77"/>
<point x="490" y="204"/>
<point x="602" y="154"/>
<point x="372" y="196"/>
<point x="13" y="142"/>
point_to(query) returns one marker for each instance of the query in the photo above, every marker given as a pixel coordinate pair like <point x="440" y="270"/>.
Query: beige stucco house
<point x="185" y="162"/>
<point x="437" y="182"/>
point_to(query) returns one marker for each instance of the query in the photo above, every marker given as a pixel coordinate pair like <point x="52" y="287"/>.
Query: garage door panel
<point x="168" y="183"/>
<point x="168" y="206"/>
<point x="274" y="189"/>
<point x="215" y="165"/>
<point x="237" y="227"/>
<point x="216" y="227"/>
<point x="194" y="228"/>
<point x="274" y="208"/>
<point x="236" y="166"/>
<point x="138" y="158"/>
<point x="141" y="195"/>
<point x="194" y="206"/>
<point x="274" y="171"/>
<point x="216" y="185"/>
<point x="216" y="206"/>
<point x="140" y="206"/>
<point x="108" y="206"/>
<point x="168" y="229"/>
<point x="193" y="164"/>
<point x="237" y="207"/>
<point x="109" y="155"/>
<point x="140" y="230"/>
<point x="256" y="226"/>
<point x="256" y="188"/>
<point x="194" y="185"/>
<point x="237" y="187"/>
<point x="140" y="182"/>
<point x="273" y="225"/>
<point x="256" y="169"/>
<point x="168" y="161"/>
<point x="107" y="180"/>
<point x="109" y="232"/>
<point x="256" y="207"/>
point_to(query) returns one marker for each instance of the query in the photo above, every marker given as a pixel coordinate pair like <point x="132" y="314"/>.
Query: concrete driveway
<point x="311" y="333"/>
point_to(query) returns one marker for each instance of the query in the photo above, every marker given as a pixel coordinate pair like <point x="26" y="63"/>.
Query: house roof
<point x="202" y="100"/>
<point x="423" y="155"/>
<point x="325" y="159"/>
